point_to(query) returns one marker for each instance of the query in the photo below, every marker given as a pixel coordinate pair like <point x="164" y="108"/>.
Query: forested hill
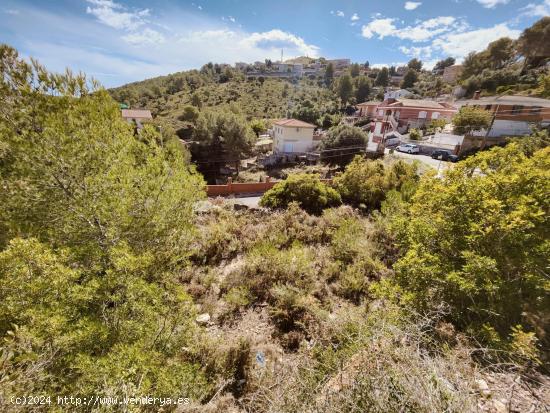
<point x="215" y="86"/>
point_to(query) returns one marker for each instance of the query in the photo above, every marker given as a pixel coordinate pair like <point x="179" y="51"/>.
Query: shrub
<point x="341" y="143"/>
<point x="307" y="190"/>
<point x="365" y="183"/>
<point x="415" y="134"/>
<point x="491" y="227"/>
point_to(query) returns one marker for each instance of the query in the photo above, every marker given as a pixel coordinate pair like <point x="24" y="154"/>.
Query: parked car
<point x="444" y="155"/>
<point x="409" y="148"/>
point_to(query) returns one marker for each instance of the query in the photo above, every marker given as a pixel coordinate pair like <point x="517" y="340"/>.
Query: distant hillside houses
<point x="291" y="69"/>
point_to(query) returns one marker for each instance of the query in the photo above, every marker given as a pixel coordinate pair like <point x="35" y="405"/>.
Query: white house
<point x="396" y="94"/>
<point x="292" y="136"/>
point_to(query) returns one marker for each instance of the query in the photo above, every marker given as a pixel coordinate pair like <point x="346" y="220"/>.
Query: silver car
<point x="408" y="148"/>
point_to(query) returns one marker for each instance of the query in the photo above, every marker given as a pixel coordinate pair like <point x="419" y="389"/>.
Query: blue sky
<point x="119" y="41"/>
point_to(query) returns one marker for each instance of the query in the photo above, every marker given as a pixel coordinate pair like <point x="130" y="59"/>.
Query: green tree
<point x="501" y="52"/>
<point x="196" y="100"/>
<point x="435" y="125"/>
<point x="414" y="134"/>
<point x="382" y="79"/>
<point x="258" y="126"/>
<point x="344" y="89"/>
<point x="342" y="136"/>
<point x="341" y="143"/>
<point x="365" y="183"/>
<point x="190" y="114"/>
<point x="469" y="119"/>
<point x="409" y="79"/>
<point x="354" y="70"/>
<point x="307" y="190"/>
<point x="489" y="218"/>
<point x="362" y="88"/>
<point x="224" y="132"/>
<point x="442" y="64"/>
<point x="329" y="74"/>
<point x="534" y="42"/>
<point x="415" y="64"/>
<point x="96" y="224"/>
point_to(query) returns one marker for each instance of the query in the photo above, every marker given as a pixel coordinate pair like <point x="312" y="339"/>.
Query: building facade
<point x="292" y="136"/>
<point x="512" y="115"/>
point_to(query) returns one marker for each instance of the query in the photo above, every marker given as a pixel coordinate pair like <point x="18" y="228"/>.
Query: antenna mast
<point x="281" y="55"/>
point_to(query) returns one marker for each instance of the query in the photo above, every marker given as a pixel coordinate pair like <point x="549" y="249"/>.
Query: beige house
<point x="292" y="136"/>
<point x="136" y="116"/>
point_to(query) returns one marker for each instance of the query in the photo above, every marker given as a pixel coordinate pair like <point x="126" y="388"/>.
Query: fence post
<point x="230" y="185"/>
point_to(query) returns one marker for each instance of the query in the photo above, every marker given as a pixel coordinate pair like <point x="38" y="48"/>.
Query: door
<point x="288" y="147"/>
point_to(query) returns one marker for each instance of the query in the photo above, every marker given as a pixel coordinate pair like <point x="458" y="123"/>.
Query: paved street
<point x="439" y="166"/>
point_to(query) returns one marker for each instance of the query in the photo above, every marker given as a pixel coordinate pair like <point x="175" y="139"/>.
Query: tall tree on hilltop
<point x="415" y="64"/>
<point x="344" y="89"/>
<point x="383" y="78"/>
<point x="534" y="42"/>
<point x="329" y="74"/>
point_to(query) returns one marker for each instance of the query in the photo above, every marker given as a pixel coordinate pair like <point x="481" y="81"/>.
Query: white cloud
<point x="112" y="14"/>
<point x="147" y="36"/>
<point x="340" y="13"/>
<point x="424" y="30"/>
<point x="419" y="52"/>
<point x="411" y="5"/>
<point x="460" y="44"/>
<point x="13" y="12"/>
<point x="274" y="39"/>
<point x="380" y="27"/>
<point x="491" y="4"/>
<point x="355" y="17"/>
<point x="537" y="10"/>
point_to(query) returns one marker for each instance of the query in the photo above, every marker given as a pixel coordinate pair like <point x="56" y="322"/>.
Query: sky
<point x="121" y="41"/>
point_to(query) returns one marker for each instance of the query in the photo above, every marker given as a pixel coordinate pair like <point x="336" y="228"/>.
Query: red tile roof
<point x="295" y="123"/>
<point x="136" y="114"/>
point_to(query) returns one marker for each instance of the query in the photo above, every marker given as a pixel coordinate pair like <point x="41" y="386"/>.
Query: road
<point x="438" y="165"/>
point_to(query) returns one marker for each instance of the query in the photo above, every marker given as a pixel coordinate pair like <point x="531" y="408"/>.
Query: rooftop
<point x="418" y="103"/>
<point x="507" y="100"/>
<point x="136" y="114"/>
<point x="295" y="123"/>
<point x="370" y="102"/>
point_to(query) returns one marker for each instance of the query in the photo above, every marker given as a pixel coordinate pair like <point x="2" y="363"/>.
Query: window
<point x="422" y="114"/>
<point x="380" y="112"/>
<point x="435" y="115"/>
<point x="535" y="110"/>
<point x="297" y="129"/>
<point x="516" y="109"/>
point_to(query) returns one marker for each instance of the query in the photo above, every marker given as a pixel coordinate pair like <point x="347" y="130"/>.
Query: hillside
<point x="268" y="98"/>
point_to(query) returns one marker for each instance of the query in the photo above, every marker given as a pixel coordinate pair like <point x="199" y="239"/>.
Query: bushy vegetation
<point x="306" y="189"/>
<point x="470" y="119"/>
<point x="108" y="254"/>
<point x="365" y="183"/>
<point x="508" y="65"/>
<point x="95" y="224"/>
<point x="477" y="240"/>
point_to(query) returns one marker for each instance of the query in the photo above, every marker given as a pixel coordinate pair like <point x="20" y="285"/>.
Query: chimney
<point x="476" y="94"/>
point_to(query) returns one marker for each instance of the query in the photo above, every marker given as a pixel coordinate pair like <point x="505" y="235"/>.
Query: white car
<point x="409" y="148"/>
